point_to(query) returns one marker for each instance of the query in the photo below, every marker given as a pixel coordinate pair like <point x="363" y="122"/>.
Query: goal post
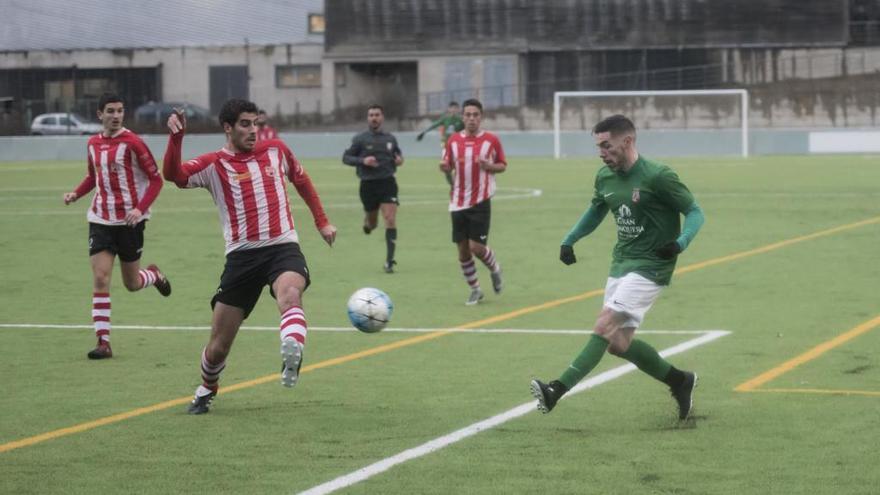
<point x="741" y="94"/>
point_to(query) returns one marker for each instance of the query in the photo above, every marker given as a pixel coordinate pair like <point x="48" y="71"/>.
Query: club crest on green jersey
<point x="635" y="195"/>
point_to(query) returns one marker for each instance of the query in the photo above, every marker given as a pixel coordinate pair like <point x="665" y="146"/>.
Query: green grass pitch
<point x="619" y="437"/>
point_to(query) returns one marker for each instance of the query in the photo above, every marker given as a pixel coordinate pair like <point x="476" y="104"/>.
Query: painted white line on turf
<point x="501" y="194"/>
<point x="468" y="431"/>
<point x="49" y="326"/>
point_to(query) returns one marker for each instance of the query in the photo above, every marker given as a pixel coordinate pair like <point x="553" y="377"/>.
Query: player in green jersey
<point x="449" y="124"/>
<point x="647" y="200"/>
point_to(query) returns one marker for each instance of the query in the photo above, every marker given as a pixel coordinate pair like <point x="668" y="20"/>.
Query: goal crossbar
<point x="744" y="106"/>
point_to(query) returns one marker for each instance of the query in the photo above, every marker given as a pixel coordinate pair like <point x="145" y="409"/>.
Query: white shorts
<point x="632" y="295"/>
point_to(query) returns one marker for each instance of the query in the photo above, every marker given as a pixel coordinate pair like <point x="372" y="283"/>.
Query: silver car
<point x="63" y="123"/>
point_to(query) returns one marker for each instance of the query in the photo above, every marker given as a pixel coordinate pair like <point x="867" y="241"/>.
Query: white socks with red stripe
<point x="148" y="277"/>
<point x="101" y="315"/>
<point x="293" y="325"/>
<point x="469" y="269"/>
<point x="210" y="374"/>
<point x="488" y="259"/>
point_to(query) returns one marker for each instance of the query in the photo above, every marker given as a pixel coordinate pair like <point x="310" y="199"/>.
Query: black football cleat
<point x="684" y="394"/>
<point x="547" y="394"/>
<point x="497" y="283"/>
<point x="201" y="404"/>
<point x="389" y="266"/>
<point x="101" y="351"/>
<point x="162" y="284"/>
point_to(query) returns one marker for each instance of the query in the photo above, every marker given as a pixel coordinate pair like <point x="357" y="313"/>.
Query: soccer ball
<point x="369" y="309"/>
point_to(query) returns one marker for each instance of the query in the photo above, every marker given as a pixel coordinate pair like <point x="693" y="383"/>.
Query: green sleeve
<point x="693" y="220"/>
<point x="588" y="223"/>
<point x="434" y="125"/>
<point x="672" y="191"/>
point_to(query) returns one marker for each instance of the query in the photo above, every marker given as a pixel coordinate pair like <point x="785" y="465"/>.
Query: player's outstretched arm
<point x="148" y="165"/>
<point x="585" y="225"/>
<point x="171" y="168"/>
<point x="306" y="190"/>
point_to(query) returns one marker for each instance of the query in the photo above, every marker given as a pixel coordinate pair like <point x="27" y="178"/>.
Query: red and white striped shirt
<point x="123" y="169"/>
<point x="266" y="133"/>
<point x="249" y="190"/>
<point x="472" y="185"/>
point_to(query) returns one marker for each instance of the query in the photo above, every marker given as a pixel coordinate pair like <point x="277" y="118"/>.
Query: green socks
<point x="646" y="358"/>
<point x="640" y="353"/>
<point x="586" y="361"/>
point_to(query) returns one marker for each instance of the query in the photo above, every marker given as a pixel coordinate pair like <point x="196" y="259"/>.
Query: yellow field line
<point x="25" y="442"/>
<point x="818" y="391"/>
<point x="776" y="245"/>
<point x="751" y="385"/>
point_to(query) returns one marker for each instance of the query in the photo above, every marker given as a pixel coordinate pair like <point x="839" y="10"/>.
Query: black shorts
<point x="122" y="240"/>
<point x="376" y="192"/>
<point x="472" y="223"/>
<point x="247" y="271"/>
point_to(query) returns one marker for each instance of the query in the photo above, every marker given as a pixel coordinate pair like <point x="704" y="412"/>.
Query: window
<point x="49" y="121"/>
<point x="297" y="76"/>
<point x="316" y="23"/>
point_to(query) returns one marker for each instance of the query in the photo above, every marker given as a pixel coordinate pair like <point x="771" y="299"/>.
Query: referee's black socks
<point x="390" y="243"/>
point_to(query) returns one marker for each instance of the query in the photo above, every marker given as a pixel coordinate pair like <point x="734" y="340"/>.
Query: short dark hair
<point x="233" y="108"/>
<point x="108" y="98"/>
<point x="453" y="104"/>
<point x="616" y="125"/>
<point x="376" y="106"/>
<point x="472" y="102"/>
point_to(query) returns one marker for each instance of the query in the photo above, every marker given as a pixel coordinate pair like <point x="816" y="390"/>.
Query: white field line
<point x="49" y="326"/>
<point x="501" y="194"/>
<point x="468" y="431"/>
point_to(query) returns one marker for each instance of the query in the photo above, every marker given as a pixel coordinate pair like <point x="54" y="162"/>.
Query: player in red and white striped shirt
<point x="247" y="181"/>
<point x="473" y="156"/>
<point x="122" y="168"/>
<point x="265" y="131"/>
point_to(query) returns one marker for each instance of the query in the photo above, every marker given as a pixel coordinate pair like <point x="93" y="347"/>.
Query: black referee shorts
<point x="122" y="240"/>
<point x="375" y="192"/>
<point x="249" y="270"/>
<point x="472" y="223"/>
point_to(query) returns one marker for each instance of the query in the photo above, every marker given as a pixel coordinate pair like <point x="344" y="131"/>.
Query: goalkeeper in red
<point x="647" y="200"/>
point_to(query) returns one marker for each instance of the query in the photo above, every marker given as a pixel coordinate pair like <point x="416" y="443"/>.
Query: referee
<point x="375" y="155"/>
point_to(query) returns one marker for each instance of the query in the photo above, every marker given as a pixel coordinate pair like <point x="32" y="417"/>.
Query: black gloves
<point x="420" y="136"/>
<point x="668" y="251"/>
<point x="566" y="255"/>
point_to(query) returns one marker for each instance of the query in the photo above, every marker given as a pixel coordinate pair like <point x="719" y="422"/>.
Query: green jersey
<point x="451" y="124"/>
<point x="647" y="203"/>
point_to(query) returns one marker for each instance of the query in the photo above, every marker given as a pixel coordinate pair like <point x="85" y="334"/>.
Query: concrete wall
<point x="185" y="71"/>
<point x="658" y="143"/>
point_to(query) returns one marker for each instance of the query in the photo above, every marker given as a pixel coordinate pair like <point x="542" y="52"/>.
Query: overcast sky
<point x="66" y="24"/>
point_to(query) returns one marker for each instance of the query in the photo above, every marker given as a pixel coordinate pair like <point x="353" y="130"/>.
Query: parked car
<point x="158" y="112"/>
<point x="63" y="123"/>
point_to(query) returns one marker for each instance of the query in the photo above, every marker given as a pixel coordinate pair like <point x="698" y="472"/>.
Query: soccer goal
<point x="669" y="123"/>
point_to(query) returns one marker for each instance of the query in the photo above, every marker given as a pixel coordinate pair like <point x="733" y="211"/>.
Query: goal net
<point x="668" y="123"/>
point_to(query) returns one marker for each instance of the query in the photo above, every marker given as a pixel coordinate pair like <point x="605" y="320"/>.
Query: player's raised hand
<point x="69" y="197"/>
<point x="177" y="121"/>
<point x="566" y="255"/>
<point x="328" y="232"/>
